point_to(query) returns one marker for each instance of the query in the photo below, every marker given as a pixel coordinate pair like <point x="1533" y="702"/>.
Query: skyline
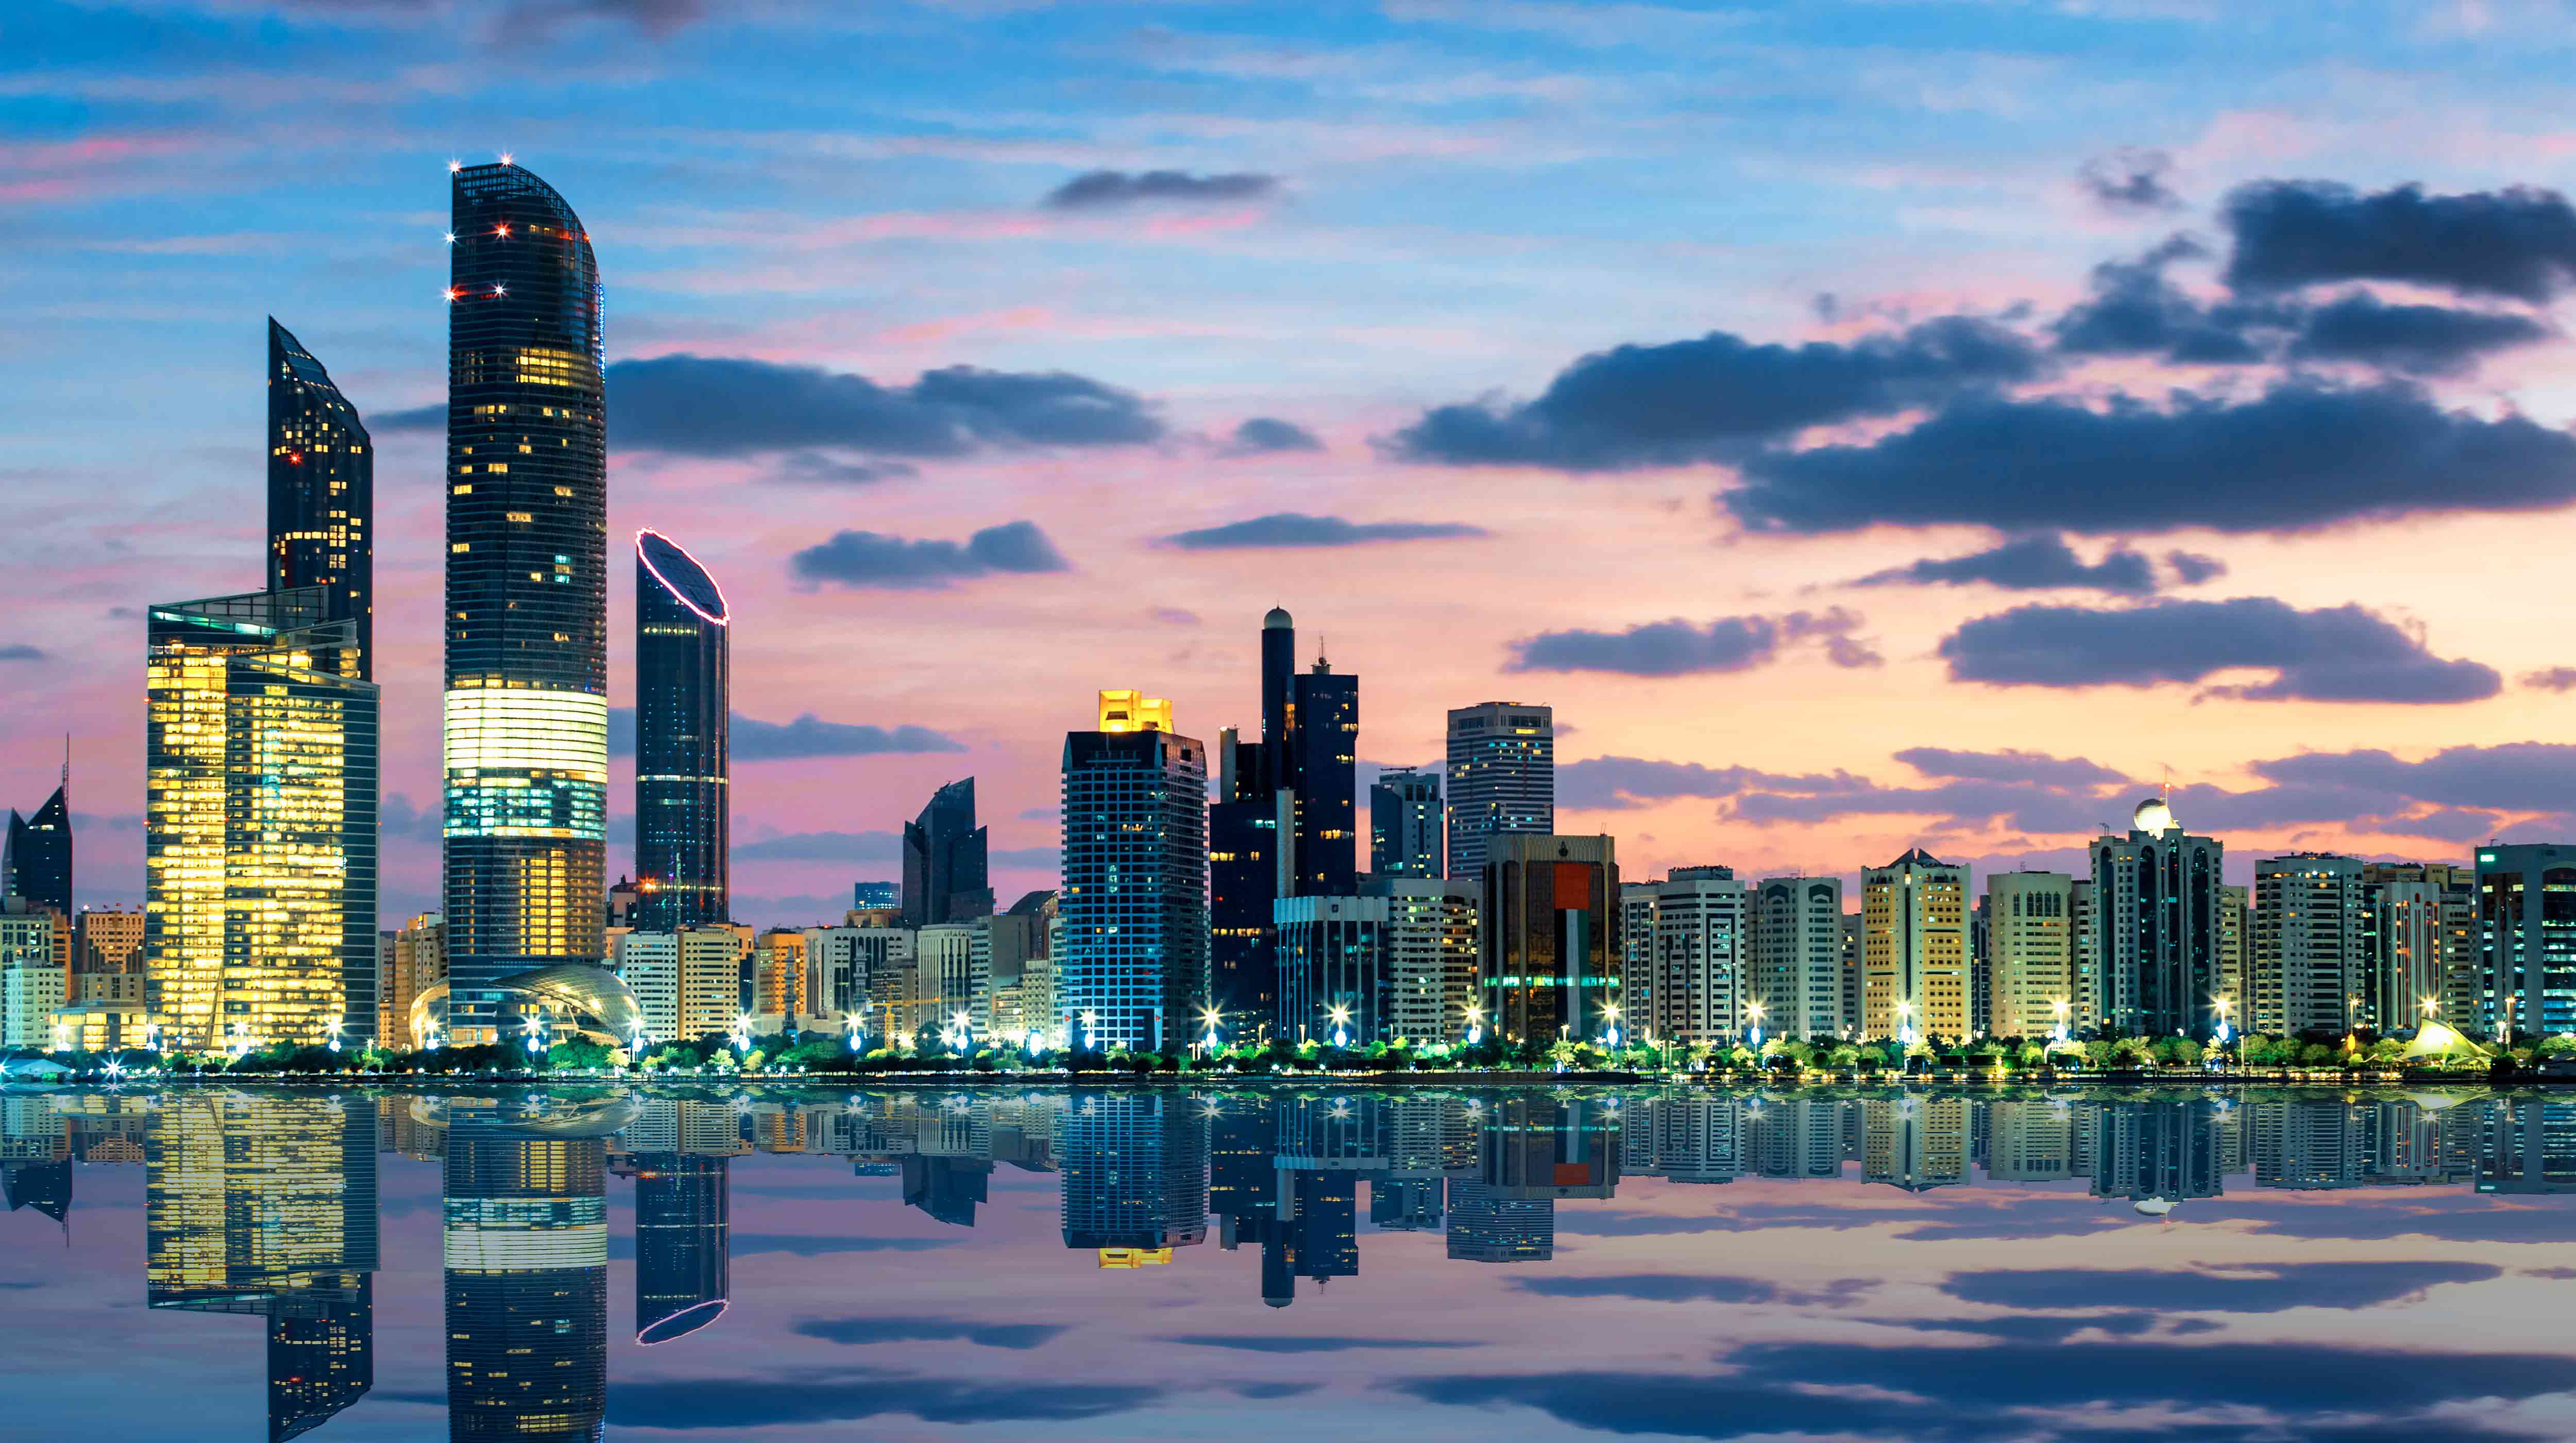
<point x="1141" y="401"/>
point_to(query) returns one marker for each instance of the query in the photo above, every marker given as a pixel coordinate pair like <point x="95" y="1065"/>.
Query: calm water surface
<point x="1527" y="1264"/>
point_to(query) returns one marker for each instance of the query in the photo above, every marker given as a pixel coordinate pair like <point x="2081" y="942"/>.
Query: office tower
<point x="683" y="1243"/>
<point x="944" y="878"/>
<point x="2235" y="948"/>
<point x="1326" y="781"/>
<point x="2309" y="959"/>
<point x="1548" y="944"/>
<point x="1430" y="954"/>
<point x="1699" y="957"/>
<point x="1244" y="865"/>
<point x="526" y="1252"/>
<point x="321" y="492"/>
<point x="1795" y="960"/>
<point x="108" y="940"/>
<point x="683" y="682"/>
<point x="2030" y="932"/>
<point x="259" y="822"/>
<point x="1637" y="953"/>
<point x="36" y="856"/>
<point x="2088" y="952"/>
<point x="414" y="961"/>
<point x="875" y="896"/>
<point x="778" y="996"/>
<point x="1335" y="984"/>
<point x="1135" y="1175"/>
<point x="1405" y="833"/>
<point x="1133" y="968"/>
<point x="2154" y="922"/>
<point x="33" y="985"/>
<point x="266" y="1205"/>
<point x="2523" y="985"/>
<point x="2418" y="914"/>
<point x="1914" y="948"/>
<point x="526" y="707"/>
<point x="854" y="965"/>
<point x="1501" y="779"/>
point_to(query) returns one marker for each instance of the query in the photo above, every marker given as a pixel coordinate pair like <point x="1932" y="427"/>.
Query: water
<point x="1342" y="1264"/>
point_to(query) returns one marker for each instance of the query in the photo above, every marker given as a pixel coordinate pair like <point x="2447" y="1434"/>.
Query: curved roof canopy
<point x="681" y="575"/>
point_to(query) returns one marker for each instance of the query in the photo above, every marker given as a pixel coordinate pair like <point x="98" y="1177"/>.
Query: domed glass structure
<point x="574" y="999"/>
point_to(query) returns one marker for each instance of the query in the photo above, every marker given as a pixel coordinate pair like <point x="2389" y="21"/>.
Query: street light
<point x="1612" y="1013"/>
<point x="1753" y="1011"/>
<point x="1213" y="1019"/>
<point x="1475" y="1023"/>
<point x="2224" y="1005"/>
<point x="2058" y="1005"/>
<point x="1341" y="1016"/>
<point x="1905" y="1023"/>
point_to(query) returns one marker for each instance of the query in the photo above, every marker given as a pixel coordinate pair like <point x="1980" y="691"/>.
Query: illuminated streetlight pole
<point x="1341" y="1016"/>
<point x="2058" y="1005"/>
<point x="1611" y="1012"/>
<point x="1905" y="1023"/>
<point x="1753" y="1028"/>
<point x="1475" y="1024"/>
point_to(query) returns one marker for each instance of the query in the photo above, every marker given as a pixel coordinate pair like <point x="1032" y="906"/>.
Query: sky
<point x="1867" y="425"/>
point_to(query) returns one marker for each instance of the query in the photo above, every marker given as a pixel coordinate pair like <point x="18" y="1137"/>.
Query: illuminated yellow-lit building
<point x="1129" y="710"/>
<point x="259" y="822"/>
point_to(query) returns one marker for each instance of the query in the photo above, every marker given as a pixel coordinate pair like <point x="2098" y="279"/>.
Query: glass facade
<point x="321" y="491"/>
<point x="527" y="590"/>
<point x="526" y="1253"/>
<point x="682" y="792"/>
<point x="1501" y="779"/>
<point x="944" y="873"/>
<point x="36" y="857"/>
<point x="1134" y="900"/>
<point x="260" y="823"/>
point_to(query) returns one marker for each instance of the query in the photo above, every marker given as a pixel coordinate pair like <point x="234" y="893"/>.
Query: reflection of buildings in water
<point x="1405" y="1205"/>
<point x="2527" y="1145"/>
<point x="1486" y="1225"/>
<point x="947" y="1188"/>
<point x="2149" y="1150"/>
<point x="1550" y="1148"/>
<point x="266" y="1205"/>
<point x="2306" y="1143"/>
<point x="1794" y="1136"/>
<point x="2029" y="1140"/>
<point x="527" y="1281"/>
<point x="1686" y="1138"/>
<point x="1917" y="1142"/>
<point x="1325" y="1147"/>
<point x="1242" y="1187"/>
<point x="2413" y="1143"/>
<point x="1135" y="1172"/>
<point x="683" y="1243"/>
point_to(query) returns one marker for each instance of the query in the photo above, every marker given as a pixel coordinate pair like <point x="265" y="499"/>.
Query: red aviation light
<point x="452" y="294"/>
<point x="502" y="230"/>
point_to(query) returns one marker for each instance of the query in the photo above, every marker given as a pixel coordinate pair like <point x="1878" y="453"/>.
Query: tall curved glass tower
<point x="321" y="492"/>
<point x="526" y="713"/>
<point x="681" y="682"/>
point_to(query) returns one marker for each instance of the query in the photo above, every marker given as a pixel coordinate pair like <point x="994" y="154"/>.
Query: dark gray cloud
<point x="1290" y="528"/>
<point x="2518" y="243"/>
<point x="828" y="469"/>
<point x="733" y="406"/>
<point x="2133" y="310"/>
<point x="1693" y="1288"/>
<point x="1958" y="804"/>
<point x="1712" y="398"/>
<point x="2556" y="678"/>
<point x="2029" y="563"/>
<point x="2417" y="340"/>
<point x="2301" y="457"/>
<point x="1264" y="434"/>
<point x="399" y="817"/>
<point x="1284" y="1343"/>
<point x="1617" y="783"/>
<point x="688" y="1404"/>
<point x="2009" y="765"/>
<point x="873" y="559"/>
<point x="822" y="847"/>
<point x="754" y="740"/>
<point x="862" y="1331"/>
<point x="1684" y="648"/>
<point x="2340" y="653"/>
<point x="806" y="1245"/>
<point x="20" y="651"/>
<point x="1101" y="189"/>
<point x="2130" y="180"/>
<point x="2191" y="568"/>
<point x="2254" y="1288"/>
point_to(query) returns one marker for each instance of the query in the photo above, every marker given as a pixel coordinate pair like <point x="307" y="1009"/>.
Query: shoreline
<point x="1192" y="1082"/>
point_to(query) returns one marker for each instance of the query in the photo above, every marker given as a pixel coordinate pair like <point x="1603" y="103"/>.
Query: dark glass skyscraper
<point x="1404" y="824"/>
<point x="321" y="490"/>
<point x="944" y="874"/>
<point x="526" y="1253"/>
<point x="683" y="1243"/>
<point x="682" y="682"/>
<point x="1327" y="720"/>
<point x="36" y="859"/>
<point x="526" y="716"/>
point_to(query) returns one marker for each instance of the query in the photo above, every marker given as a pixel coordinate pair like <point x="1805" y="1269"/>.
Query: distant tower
<point x="1502" y="779"/>
<point x="36" y="856"/>
<point x="1134" y="909"/>
<point x="682" y="681"/>
<point x="526" y="711"/>
<point x="321" y="491"/>
<point x="945" y="878"/>
<point x="1405" y="837"/>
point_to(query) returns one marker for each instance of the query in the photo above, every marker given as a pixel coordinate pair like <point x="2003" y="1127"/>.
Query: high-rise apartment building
<point x="683" y="679"/>
<point x="2526" y="936"/>
<point x="2235" y="949"/>
<point x="1548" y="945"/>
<point x="526" y="703"/>
<point x="2030" y="959"/>
<point x="260" y="795"/>
<point x="1914" y="948"/>
<point x="944" y="872"/>
<point x="108" y="940"/>
<point x="321" y="492"/>
<point x="1406" y="838"/>
<point x="2419" y="926"/>
<point x="414" y="960"/>
<point x="688" y="983"/>
<point x="2155" y="922"/>
<point x="1431" y="954"/>
<point x="875" y="896"/>
<point x="2310" y="968"/>
<point x="1501" y="779"/>
<point x="34" y="986"/>
<point x="1132" y="969"/>
<point x="1699" y="959"/>
<point x="1794" y="961"/>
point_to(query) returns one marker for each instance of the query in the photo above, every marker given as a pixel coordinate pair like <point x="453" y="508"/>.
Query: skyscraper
<point x="1405" y="835"/>
<point x="259" y="822"/>
<point x="2031" y="957"/>
<point x="1133" y="904"/>
<point x="1914" y="948"/>
<point x="1698" y="957"/>
<point x="2155" y="918"/>
<point x="683" y="1243"/>
<point x="526" y="1254"/>
<point x="944" y="874"/>
<point x="2526" y="930"/>
<point x="36" y="856"/>
<point x="1326" y="719"/>
<point x="526" y="710"/>
<point x="2309" y="959"/>
<point x="1548" y="944"/>
<point x="1797" y="956"/>
<point x="683" y="682"/>
<point x="1502" y="778"/>
<point x="321" y="491"/>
